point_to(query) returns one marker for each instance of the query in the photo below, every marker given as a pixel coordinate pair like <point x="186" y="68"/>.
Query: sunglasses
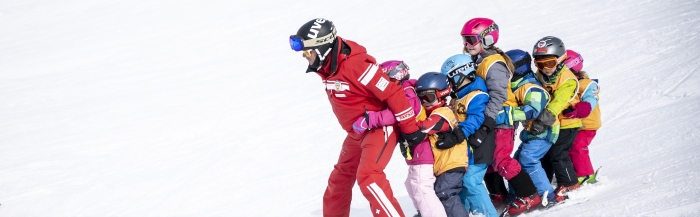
<point x="297" y="43"/>
<point x="427" y="96"/>
<point x="546" y="63"/>
<point x="471" y="40"/>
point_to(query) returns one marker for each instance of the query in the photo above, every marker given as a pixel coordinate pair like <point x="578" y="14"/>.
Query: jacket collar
<point x="477" y="84"/>
<point x="340" y="52"/>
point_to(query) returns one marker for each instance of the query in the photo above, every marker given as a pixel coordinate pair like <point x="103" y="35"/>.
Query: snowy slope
<point x="199" y="108"/>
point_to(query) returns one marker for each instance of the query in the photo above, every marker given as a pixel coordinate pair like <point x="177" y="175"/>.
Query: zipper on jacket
<point x="386" y="141"/>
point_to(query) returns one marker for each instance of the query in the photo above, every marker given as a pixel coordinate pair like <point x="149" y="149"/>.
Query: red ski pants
<point x="363" y="159"/>
<point x="503" y="163"/>
<point x="579" y="153"/>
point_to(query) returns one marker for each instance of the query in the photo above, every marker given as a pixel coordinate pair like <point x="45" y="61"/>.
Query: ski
<point x="587" y="180"/>
<point x="595" y="174"/>
<point x="505" y="214"/>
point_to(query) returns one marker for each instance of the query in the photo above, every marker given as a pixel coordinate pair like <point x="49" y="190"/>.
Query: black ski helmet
<point x="318" y="34"/>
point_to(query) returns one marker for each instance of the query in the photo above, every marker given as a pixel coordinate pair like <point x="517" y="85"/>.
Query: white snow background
<point x="200" y="108"/>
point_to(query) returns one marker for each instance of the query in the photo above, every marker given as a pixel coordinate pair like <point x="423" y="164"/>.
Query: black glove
<point x="489" y="122"/>
<point x="449" y="139"/>
<point x="543" y="121"/>
<point x="414" y="138"/>
<point x="567" y="110"/>
<point x="479" y="136"/>
<point x="406" y="150"/>
<point x="537" y="127"/>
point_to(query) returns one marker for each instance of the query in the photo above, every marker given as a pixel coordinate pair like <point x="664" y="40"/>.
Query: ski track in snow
<point x="191" y="108"/>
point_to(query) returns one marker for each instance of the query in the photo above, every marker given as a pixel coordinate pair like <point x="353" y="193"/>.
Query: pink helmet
<point x="573" y="61"/>
<point x="484" y="29"/>
<point x="395" y="69"/>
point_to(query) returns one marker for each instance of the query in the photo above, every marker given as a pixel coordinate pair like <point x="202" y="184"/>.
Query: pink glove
<point x="360" y="125"/>
<point x="373" y="119"/>
<point x="580" y="110"/>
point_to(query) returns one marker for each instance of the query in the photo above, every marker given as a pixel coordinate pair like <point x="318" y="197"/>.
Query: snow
<point x="199" y="108"/>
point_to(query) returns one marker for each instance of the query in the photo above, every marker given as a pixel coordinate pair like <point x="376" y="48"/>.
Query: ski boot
<point x="524" y="204"/>
<point x="590" y="179"/>
<point x="550" y="204"/>
<point x="497" y="200"/>
<point x="560" y="192"/>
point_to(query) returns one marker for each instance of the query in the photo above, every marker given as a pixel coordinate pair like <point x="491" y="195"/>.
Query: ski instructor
<point x="354" y="84"/>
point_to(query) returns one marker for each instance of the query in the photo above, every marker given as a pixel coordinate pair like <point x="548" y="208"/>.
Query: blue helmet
<point x="459" y="67"/>
<point x="522" y="63"/>
<point x="432" y="81"/>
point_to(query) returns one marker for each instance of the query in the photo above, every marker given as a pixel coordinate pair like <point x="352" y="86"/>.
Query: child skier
<point x="588" y="92"/>
<point x="420" y="181"/>
<point x="495" y="67"/>
<point x="550" y="53"/>
<point x="469" y="105"/>
<point x="451" y="159"/>
<point x="532" y="100"/>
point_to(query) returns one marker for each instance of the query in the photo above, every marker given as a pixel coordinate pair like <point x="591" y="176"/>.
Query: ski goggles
<point x="546" y="63"/>
<point x="298" y="43"/>
<point x="461" y="78"/>
<point x="427" y="96"/>
<point x="432" y="95"/>
<point x="470" y="40"/>
<point x="475" y="39"/>
<point x="398" y="72"/>
<point x="574" y="62"/>
<point x="457" y="75"/>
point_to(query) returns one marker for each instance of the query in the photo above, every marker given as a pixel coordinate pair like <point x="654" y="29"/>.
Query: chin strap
<point x="557" y="71"/>
<point x="314" y="67"/>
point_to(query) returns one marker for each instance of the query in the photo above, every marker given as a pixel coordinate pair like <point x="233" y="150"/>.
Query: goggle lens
<point x="455" y="80"/>
<point x="428" y="96"/>
<point x="296" y="43"/>
<point x="546" y="63"/>
<point x="470" y="40"/>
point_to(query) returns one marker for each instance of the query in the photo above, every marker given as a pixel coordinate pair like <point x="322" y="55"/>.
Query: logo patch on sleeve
<point x="382" y="83"/>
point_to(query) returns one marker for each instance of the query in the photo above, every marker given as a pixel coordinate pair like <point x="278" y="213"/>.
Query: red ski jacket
<point x="355" y="84"/>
